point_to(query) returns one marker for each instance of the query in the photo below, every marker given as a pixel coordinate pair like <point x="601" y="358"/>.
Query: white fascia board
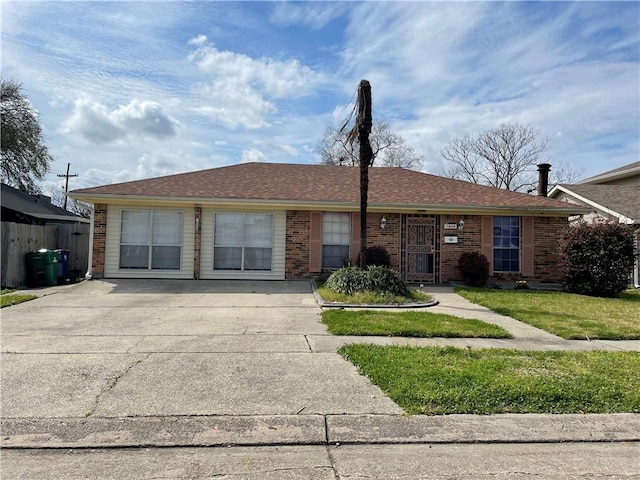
<point x="326" y="205"/>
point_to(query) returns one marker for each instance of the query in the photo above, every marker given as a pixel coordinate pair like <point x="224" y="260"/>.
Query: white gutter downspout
<point x="636" y="280"/>
<point x="89" y="274"/>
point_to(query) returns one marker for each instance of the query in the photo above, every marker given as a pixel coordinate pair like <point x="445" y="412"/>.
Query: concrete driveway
<point x="156" y="348"/>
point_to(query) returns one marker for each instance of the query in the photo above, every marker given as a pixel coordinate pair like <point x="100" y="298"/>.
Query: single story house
<point x="614" y="195"/>
<point x="288" y="221"/>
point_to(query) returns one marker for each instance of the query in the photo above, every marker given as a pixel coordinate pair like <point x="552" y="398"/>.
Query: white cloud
<point x="290" y="150"/>
<point x="313" y="15"/>
<point x="241" y="91"/>
<point x="234" y="105"/>
<point x="138" y="120"/>
<point x="273" y="77"/>
<point x="253" y="155"/>
<point x="198" y="40"/>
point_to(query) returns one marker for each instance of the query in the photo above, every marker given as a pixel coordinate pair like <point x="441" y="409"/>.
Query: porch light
<point x="383" y="223"/>
<point x="460" y="224"/>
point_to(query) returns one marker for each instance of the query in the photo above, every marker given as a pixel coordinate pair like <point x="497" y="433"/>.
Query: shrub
<point x="384" y="280"/>
<point x="474" y="268"/>
<point x="376" y="256"/>
<point x="381" y="280"/>
<point x="597" y="258"/>
<point x="347" y="280"/>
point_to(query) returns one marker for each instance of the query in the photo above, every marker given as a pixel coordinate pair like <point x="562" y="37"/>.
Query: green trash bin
<point x="42" y="268"/>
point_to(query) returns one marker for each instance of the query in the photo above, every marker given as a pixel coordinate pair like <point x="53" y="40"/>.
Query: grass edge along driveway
<point x="448" y="380"/>
<point x="11" y="297"/>
<point x="568" y="315"/>
<point x="408" y="324"/>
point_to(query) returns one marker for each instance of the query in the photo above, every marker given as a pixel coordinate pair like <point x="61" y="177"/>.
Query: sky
<point x="131" y="90"/>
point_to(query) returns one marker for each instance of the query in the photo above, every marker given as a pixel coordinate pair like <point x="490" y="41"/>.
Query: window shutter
<point x="315" y="242"/>
<point x="355" y="238"/>
<point x="487" y="240"/>
<point x="527" y="247"/>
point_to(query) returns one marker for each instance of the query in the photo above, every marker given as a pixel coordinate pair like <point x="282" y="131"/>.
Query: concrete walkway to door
<point x="181" y="363"/>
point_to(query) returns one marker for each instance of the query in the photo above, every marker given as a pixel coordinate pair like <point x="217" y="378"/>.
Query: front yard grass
<point x="8" y="298"/>
<point x="437" y="381"/>
<point x="567" y="315"/>
<point x="407" y="324"/>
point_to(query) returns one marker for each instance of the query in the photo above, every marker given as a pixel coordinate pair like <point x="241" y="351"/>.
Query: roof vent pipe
<point x="543" y="179"/>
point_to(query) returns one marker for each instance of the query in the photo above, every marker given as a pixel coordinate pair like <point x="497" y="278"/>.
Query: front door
<point x="420" y="249"/>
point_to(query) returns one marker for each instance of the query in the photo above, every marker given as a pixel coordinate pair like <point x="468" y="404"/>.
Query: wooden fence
<point x="19" y="239"/>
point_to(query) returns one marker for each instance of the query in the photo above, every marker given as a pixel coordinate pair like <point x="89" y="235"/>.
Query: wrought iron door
<point x="420" y="249"/>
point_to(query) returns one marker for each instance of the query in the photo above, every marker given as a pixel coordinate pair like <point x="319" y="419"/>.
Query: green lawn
<point x="567" y="315"/>
<point x="436" y="381"/>
<point x="407" y="324"/>
<point x="8" y="299"/>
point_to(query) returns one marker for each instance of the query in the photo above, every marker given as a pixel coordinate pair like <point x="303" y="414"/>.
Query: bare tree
<point x="25" y="157"/>
<point x="389" y="149"/>
<point x="74" y="206"/>
<point x="503" y="157"/>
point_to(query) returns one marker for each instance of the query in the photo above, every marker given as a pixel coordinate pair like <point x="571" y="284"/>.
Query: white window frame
<point x="336" y="232"/>
<point x="245" y="243"/>
<point x="150" y="244"/>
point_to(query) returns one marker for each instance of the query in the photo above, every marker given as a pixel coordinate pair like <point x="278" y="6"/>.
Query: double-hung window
<point x="506" y="244"/>
<point x="243" y="241"/>
<point x="150" y="240"/>
<point x="336" y="235"/>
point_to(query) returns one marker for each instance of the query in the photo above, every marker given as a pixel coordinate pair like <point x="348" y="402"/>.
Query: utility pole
<point x="66" y="183"/>
<point x="364" y="121"/>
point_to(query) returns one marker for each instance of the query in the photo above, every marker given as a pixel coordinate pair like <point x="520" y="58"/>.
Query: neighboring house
<point x="614" y="195"/>
<point x="285" y="221"/>
<point x="31" y="222"/>
<point x="20" y="207"/>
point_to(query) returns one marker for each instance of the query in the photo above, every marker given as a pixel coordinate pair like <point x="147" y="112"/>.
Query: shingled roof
<point x="322" y="184"/>
<point x="36" y="206"/>
<point x="621" y="199"/>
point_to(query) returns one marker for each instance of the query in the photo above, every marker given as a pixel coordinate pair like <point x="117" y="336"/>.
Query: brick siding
<point x="99" y="239"/>
<point x="548" y="232"/>
<point x="297" y="244"/>
<point x="389" y="238"/>
<point x="297" y="241"/>
<point x="469" y="240"/>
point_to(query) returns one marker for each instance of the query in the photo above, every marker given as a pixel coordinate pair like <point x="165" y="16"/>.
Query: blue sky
<point x="129" y="90"/>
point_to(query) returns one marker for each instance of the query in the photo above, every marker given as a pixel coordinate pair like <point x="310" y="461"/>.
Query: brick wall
<point x="469" y="240"/>
<point x="99" y="239"/>
<point x="297" y="244"/>
<point x="297" y="241"/>
<point x="548" y="232"/>
<point x="389" y="238"/>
